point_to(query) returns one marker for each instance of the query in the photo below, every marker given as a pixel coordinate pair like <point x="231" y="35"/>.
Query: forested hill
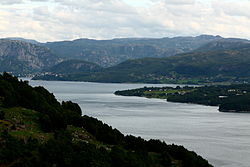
<point x="225" y="61"/>
<point x="36" y="130"/>
<point x="74" y="66"/>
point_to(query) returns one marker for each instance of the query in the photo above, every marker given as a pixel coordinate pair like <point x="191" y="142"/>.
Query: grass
<point x="23" y="123"/>
<point x="163" y="94"/>
<point x="81" y="135"/>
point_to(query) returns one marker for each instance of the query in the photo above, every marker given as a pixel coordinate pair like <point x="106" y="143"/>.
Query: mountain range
<point x="224" y="60"/>
<point x="25" y="56"/>
<point x="198" y="59"/>
<point x="108" y="53"/>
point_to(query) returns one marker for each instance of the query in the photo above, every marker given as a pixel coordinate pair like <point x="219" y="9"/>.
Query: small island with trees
<point x="229" y="98"/>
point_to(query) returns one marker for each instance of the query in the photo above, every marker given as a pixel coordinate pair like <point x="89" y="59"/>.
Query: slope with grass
<point x="74" y="66"/>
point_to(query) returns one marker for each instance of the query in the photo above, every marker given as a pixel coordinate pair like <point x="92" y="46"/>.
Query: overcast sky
<point x="53" y="20"/>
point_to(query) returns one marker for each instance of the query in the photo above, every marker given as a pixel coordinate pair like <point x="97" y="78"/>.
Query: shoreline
<point x="224" y="111"/>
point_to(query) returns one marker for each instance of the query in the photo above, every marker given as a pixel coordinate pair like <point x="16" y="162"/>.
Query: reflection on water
<point x="222" y="138"/>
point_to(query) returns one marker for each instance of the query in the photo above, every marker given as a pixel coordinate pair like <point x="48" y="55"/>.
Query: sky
<point x="55" y="20"/>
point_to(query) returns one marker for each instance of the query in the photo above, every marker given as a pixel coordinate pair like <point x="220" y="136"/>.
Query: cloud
<point x="110" y="6"/>
<point x="10" y="2"/>
<point x="179" y="2"/>
<point x="41" y="11"/>
<point x="39" y="0"/>
<point x="232" y="8"/>
<point x="69" y="19"/>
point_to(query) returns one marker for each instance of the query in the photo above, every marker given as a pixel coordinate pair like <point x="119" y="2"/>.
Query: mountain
<point x="32" y="41"/>
<point x="74" y="66"/>
<point x="111" y="52"/>
<point x="21" y="58"/>
<point x="224" y="44"/>
<point x="36" y="131"/>
<point x="223" y="62"/>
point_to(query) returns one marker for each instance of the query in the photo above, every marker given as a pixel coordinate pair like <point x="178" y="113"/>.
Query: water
<point x="222" y="138"/>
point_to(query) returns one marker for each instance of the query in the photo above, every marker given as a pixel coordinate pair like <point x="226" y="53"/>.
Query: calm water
<point x="222" y="138"/>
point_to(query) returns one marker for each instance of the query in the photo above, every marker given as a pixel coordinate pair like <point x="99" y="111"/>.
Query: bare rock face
<point x="20" y="57"/>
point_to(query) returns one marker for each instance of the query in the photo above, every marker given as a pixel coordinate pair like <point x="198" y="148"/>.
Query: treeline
<point x="53" y="115"/>
<point x="229" y="98"/>
<point x="108" y="148"/>
<point x="149" y="92"/>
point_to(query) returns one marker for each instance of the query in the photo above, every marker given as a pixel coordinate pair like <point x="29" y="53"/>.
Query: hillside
<point x="22" y="58"/>
<point x="74" y="66"/>
<point x="225" y="61"/>
<point x="37" y="130"/>
<point x="111" y="52"/>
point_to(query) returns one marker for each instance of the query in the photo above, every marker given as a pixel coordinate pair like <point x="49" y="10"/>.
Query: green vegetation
<point x="37" y="130"/>
<point x="229" y="98"/>
<point x="23" y="123"/>
<point x="74" y="66"/>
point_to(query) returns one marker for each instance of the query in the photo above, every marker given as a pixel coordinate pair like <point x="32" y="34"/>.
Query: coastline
<point x="224" y="111"/>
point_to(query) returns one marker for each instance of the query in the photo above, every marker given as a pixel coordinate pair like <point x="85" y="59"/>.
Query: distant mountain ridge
<point x="111" y="52"/>
<point x="224" y="44"/>
<point x="32" y="41"/>
<point x="25" y="56"/>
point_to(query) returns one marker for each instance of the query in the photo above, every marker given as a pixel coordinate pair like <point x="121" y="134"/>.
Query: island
<point x="229" y="98"/>
<point x="37" y="130"/>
